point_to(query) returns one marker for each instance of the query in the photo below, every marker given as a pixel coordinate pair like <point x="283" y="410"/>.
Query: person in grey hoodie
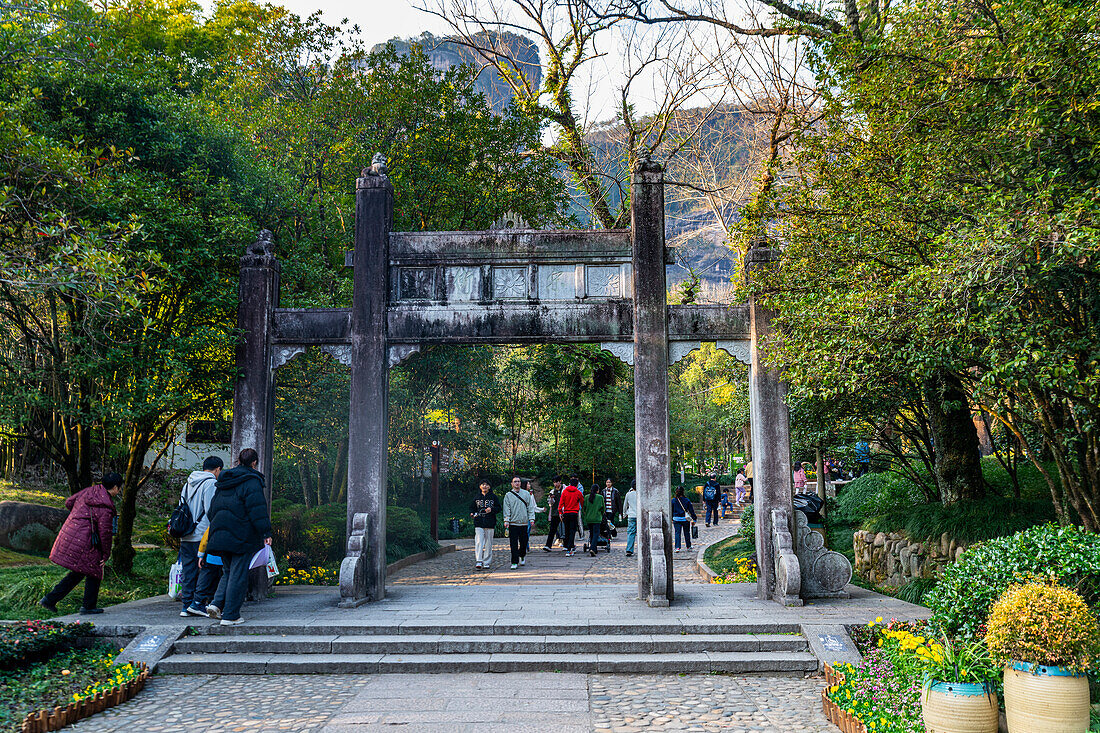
<point x="198" y="493"/>
<point x="519" y="519"/>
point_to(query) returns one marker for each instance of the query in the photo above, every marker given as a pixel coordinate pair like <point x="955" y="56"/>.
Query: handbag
<point x="175" y="580"/>
<point x="694" y="531"/>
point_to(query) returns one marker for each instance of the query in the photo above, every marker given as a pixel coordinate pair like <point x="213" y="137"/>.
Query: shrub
<point x="28" y="640"/>
<point x="964" y="521"/>
<point x="1069" y="556"/>
<point x="748" y="522"/>
<point x="916" y="589"/>
<point x="1043" y="624"/>
<point x="873" y="494"/>
<point x="406" y="534"/>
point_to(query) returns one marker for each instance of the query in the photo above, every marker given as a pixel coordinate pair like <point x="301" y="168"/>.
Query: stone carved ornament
<point x="824" y="573"/>
<point x="788" y="575"/>
<point x="658" y="594"/>
<point x="280" y="355"/>
<point x="353" y="568"/>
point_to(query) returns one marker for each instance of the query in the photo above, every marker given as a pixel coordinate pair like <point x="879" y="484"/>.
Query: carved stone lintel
<point x="399" y="352"/>
<point x="788" y="575"/>
<point x="737" y="349"/>
<point x="824" y="573"/>
<point x="510" y="220"/>
<point x="623" y="350"/>
<point x="282" y="354"/>
<point x="658" y="595"/>
<point x="679" y="349"/>
<point x="353" y="569"/>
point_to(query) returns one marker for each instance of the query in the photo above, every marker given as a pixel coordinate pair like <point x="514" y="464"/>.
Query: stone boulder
<point x="29" y="527"/>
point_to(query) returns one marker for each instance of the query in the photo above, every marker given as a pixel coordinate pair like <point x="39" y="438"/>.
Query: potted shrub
<point x="957" y="695"/>
<point x="1048" y="639"/>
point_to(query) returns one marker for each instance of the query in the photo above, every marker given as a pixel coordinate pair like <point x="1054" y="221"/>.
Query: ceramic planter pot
<point x="956" y="707"/>
<point x="1041" y="699"/>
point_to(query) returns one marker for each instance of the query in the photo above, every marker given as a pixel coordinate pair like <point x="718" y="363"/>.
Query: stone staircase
<point x="661" y="647"/>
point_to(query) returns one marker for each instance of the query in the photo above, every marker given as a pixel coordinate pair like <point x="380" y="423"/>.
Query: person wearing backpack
<point x="239" y="528"/>
<point x="683" y="516"/>
<point x="712" y="495"/>
<point x="194" y="512"/>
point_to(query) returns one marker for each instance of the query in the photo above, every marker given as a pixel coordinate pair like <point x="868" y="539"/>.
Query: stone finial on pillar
<point x="651" y="436"/>
<point x="253" y="398"/>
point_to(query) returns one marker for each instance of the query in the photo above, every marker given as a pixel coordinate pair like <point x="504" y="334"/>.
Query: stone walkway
<point x="552" y="568"/>
<point x="454" y="703"/>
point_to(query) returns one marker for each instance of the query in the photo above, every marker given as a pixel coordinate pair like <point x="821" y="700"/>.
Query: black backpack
<point x="710" y="492"/>
<point x="181" y="523"/>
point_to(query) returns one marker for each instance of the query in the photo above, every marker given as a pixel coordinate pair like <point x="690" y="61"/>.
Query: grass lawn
<point x="51" y="683"/>
<point x="21" y="586"/>
<point x="36" y="495"/>
<point x="722" y="556"/>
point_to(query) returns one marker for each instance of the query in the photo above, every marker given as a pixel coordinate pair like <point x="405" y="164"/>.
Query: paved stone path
<point x="452" y="703"/>
<point x="552" y="568"/>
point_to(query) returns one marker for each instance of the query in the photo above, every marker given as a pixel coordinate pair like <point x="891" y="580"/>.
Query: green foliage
<point x="723" y="556"/>
<point x="965" y="521"/>
<point x="406" y="534"/>
<point x="1067" y="555"/>
<point x="748" y="522"/>
<point x="873" y="494"/>
<point x="318" y="532"/>
<point x="915" y="590"/>
<point x="25" y="641"/>
<point x="1044" y="624"/>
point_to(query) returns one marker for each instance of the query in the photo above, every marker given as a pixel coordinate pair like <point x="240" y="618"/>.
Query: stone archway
<point x="514" y="286"/>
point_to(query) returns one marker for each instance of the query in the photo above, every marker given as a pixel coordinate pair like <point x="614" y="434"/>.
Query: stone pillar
<point x="253" y="398"/>
<point x="368" y="420"/>
<point x="771" y="440"/>
<point x="651" y="440"/>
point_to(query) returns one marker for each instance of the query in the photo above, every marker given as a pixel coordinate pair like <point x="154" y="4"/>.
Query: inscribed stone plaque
<point x="463" y="284"/>
<point x="416" y="283"/>
<point x="557" y="282"/>
<point x="604" y="282"/>
<point x="509" y="282"/>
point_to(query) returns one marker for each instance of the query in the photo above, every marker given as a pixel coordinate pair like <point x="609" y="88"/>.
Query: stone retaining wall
<point x="892" y="559"/>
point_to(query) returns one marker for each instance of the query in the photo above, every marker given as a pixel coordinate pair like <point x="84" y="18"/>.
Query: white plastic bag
<point x="272" y="568"/>
<point x="175" y="580"/>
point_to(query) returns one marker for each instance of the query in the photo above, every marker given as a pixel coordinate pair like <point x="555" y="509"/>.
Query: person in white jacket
<point x="630" y="511"/>
<point x="519" y="519"/>
<point x="197" y="493"/>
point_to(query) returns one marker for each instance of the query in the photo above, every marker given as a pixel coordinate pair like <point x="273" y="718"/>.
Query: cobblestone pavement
<point x="554" y="568"/>
<point x="629" y="703"/>
<point x="487" y="703"/>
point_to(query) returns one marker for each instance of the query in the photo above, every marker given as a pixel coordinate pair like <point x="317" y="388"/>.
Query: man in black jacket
<point x="484" y="510"/>
<point x="239" y="528"/>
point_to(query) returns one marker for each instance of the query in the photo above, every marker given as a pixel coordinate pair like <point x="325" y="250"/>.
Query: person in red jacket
<point x="84" y="543"/>
<point x="569" y="509"/>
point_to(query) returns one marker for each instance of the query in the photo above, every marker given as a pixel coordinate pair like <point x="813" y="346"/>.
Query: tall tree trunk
<point x="958" y="458"/>
<point x="303" y="477"/>
<point x="339" y="471"/>
<point x="122" y="554"/>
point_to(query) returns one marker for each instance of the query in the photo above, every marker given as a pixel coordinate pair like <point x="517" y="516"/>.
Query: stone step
<point x="503" y="628"/>
<point x="796" y="663"/>
<point x="455" y="644"/>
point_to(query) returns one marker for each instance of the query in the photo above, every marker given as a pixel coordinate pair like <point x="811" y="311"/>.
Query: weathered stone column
<point x="651" y="440"/>
<point x="368" y="421"/>
<point x="771" y="439"/>
<point x="253" y="398"/>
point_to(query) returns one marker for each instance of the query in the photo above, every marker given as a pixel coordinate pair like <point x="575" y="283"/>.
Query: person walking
<point x="799" y="477"/>
<point x="519" y="518"/>
<point x="739" y="483"/>
<point x="484" y="509"/>
<point x="210" y="575"/>
<point x="681" y="509"/>
<point x="83" y="543"/>
<point x="553" y="517"/>
<point x="611" y="509"/>
<point x="569" y="508"/>
<point x="630" y="511"/>
<point x="726" y="505"/>
<point x="712" y="494"/>
<point x="239" y="528"/>
<point x="593" y="518"/>
<point x="197" y="493"/>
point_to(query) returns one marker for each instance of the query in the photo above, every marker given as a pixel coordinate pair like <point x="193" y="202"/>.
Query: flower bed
<point x="744" y="571"/>
<point x="882" y="694"/>
<point x="27" y="641"/>
<point x="126" y="681"/>
<point x="308" y="576"/>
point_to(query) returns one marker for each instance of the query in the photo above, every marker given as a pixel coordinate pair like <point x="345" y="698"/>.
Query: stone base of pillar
<point x="825" y="573"/>
<point x="788" y="574"/>
<point x="660" y="563"/>
<point x="353" y="569"/>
